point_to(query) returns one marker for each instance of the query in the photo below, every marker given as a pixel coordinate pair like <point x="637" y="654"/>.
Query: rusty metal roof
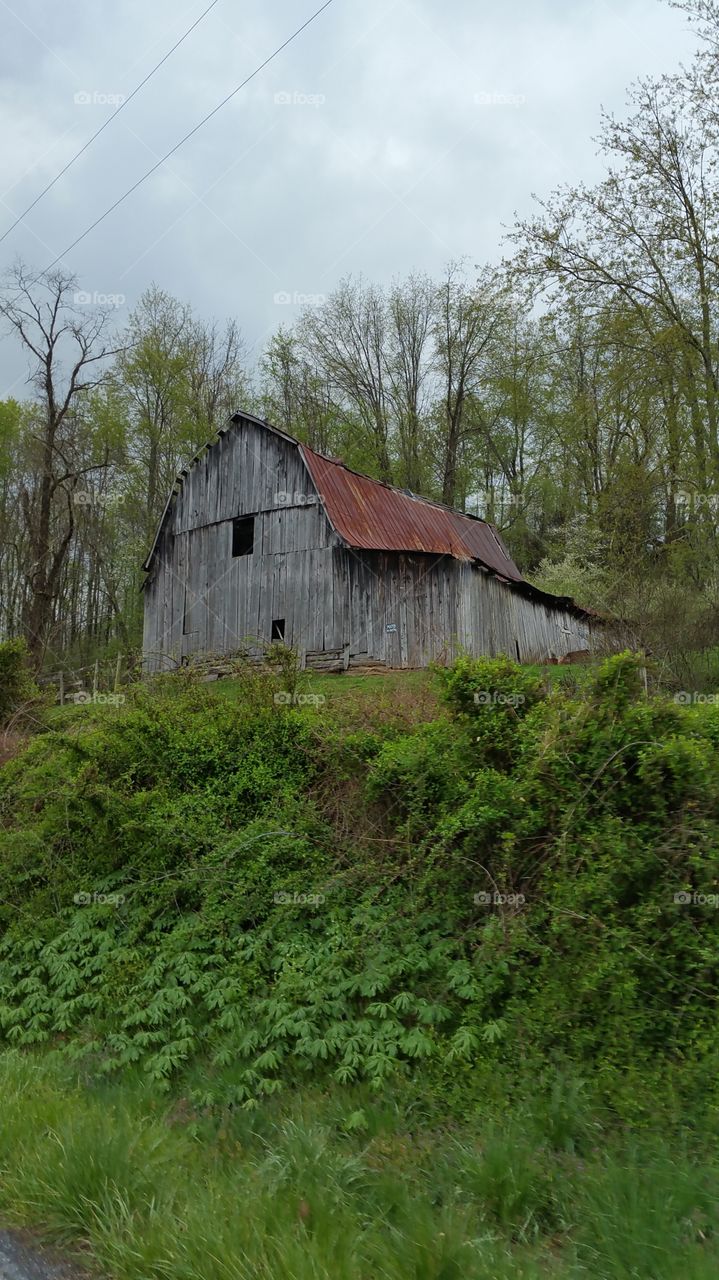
<point x="372" y="516"/>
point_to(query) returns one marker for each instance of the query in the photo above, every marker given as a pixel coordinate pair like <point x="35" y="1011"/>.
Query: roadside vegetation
<point x="420" y="981"/>
<point x="537" y="1182"/>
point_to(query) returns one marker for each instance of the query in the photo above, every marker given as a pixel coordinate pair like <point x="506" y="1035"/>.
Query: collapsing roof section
<point x="372" y="516"/>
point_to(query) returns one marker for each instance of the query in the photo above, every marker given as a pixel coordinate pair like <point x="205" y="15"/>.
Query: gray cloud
<point x="390" y="136"/>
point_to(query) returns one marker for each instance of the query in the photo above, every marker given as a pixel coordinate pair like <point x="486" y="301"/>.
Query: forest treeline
<point x="569" y="392"/>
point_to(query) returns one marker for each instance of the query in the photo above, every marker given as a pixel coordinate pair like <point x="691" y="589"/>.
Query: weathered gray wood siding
<point x="400" y="609"/>
<point x="199" y="598"/>
<point x="408" y="610"/>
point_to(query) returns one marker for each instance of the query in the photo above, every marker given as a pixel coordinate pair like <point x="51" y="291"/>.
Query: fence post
<point x="118" y="668"/>
<point x="95" y="677"/>
<point x="62" y="688"/>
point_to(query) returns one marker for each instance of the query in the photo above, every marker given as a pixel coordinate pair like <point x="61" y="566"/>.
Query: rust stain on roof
<point x="372" y="516"/>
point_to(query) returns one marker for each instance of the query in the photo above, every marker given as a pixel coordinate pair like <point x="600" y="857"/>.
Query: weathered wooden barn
<point x="264" y="539"/>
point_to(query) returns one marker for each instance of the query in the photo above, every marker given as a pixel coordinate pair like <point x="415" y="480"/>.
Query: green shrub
<point x="17" y="687"/>
<point x="491" y="695"/>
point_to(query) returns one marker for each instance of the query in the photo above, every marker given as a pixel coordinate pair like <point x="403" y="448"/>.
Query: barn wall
<point x="408" y="610"/>
<point x="496" y="619"/>
<point x="201" y="599"/>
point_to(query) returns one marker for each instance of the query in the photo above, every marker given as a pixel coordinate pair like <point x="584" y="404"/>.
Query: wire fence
<point x="102" y="678"/>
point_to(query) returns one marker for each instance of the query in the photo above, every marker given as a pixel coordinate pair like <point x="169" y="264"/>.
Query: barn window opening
<point x="186" y="611"/>
<point x="243" y="536"/>
<point x="278" y="629"/>
<point x="516" y="645"/>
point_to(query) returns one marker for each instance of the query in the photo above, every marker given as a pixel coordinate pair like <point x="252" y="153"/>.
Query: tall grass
<point x="317" y="1190"/>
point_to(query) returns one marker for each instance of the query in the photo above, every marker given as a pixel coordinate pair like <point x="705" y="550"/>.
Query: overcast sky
<point x="389" y="136"/>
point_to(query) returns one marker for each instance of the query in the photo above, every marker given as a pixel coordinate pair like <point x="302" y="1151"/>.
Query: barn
<point x="264" y="539"/>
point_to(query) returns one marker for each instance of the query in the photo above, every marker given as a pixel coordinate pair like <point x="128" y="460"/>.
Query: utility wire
<point x="187" y="136"/>
<point x="109" y="120"/>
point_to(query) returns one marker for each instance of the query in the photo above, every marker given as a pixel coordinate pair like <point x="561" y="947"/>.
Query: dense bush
<point x="183" y="885"/>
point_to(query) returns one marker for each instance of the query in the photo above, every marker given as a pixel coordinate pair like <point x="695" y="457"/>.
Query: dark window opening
<point x="243" y="536"/>
<point x="186" y="612"/>
<point x="278" y="629"/>
<point x="516" y="645"/>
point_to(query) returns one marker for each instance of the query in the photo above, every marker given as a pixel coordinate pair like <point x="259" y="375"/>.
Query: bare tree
<point x="297" y="396"/>
<point x="410" y="308"/>
<point x="216" y="375"/>
<point x="347" y="338"/>
<point x="67" y="346"/>
<point x="467" y="325"/>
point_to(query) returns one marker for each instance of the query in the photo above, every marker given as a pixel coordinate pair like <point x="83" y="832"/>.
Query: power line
<point x="109" y="120"/>
<point x="187" y="136"/>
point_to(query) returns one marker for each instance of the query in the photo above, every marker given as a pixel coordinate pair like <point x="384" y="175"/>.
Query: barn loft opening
<point x="278" y="629"/>
<point x="243" y="536"/>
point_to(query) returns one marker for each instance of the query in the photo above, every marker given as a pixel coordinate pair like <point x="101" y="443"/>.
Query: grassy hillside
<point x="437" y="961"/>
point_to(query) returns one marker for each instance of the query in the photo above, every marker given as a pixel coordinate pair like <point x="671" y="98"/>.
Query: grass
<point x="348" y="1188"/>
<point x="400" y="698"/>
<point x="397" y="698"/>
